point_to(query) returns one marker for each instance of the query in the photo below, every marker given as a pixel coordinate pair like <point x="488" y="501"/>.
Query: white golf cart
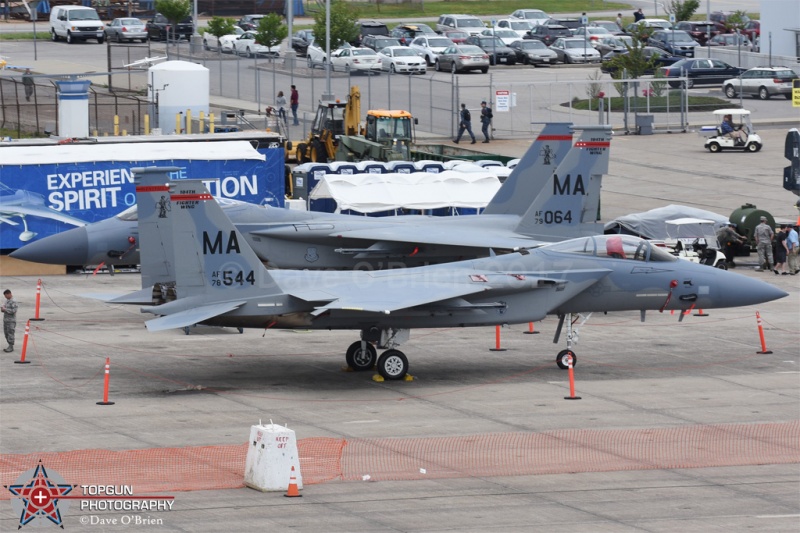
<point x="740" y="119"/>
<point x="695" y="240"/>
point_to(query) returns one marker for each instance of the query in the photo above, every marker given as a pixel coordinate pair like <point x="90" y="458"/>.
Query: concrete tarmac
<point x="209" y="387"/>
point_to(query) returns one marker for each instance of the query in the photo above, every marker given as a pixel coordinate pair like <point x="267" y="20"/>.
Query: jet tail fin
<point x="211" y="258"/>
<point x="569" y="203"/>
<point x="531" y="173"/>
<point x="155" y="236"/>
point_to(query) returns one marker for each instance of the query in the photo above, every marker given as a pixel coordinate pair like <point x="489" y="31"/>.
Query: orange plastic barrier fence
<point x="501" y="454"/>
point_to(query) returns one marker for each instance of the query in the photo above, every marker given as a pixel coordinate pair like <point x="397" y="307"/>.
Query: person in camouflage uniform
<point x="9" y="319"/>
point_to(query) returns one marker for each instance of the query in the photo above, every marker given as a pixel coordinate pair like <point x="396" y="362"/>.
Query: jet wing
<point x="395" y="296"/>
<point x="43" y="212"/>
<point x="191" y="316"/>
<point x="473" y="237"/>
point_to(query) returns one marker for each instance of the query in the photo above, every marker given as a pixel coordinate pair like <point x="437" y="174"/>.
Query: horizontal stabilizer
<point x="140" y="297"/>
<point x="190" y="317"/>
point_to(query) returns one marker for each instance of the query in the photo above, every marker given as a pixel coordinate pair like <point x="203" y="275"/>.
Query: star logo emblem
<point x="38" y="495"/>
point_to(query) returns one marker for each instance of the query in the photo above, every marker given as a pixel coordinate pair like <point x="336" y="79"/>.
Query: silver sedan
<point x="126" y="29"/>
<point x="463" y="57"/>
<point x="402" y="59"/>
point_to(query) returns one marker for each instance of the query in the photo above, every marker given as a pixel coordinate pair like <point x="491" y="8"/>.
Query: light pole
<point x="328" y="95"/>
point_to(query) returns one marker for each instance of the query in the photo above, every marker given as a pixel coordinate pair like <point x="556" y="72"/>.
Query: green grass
<point x="476" y="7"/>
<point x="24" y="36"/>
<point x="658" y="104"/>
<point x="6" y="132"/>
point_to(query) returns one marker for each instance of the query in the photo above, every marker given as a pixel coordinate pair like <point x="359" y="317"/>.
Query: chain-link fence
<point x="248" y="85"/>
<point x="37" y="112"/>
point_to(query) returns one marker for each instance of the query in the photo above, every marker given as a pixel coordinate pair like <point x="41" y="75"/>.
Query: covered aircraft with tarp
<point x="653" y="224"/>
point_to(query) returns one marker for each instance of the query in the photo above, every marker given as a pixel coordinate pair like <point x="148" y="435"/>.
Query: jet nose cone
<point x="736" y="290"/>
<point x="69" y="247"/>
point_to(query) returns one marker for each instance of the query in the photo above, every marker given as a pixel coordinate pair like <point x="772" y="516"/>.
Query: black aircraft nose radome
<point x="69" y="247"/>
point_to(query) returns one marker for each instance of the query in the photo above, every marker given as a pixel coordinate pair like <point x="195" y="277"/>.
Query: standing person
<point x="792" y="247"/>
<point x="764" y="235"/>
<point x="730" y="242"/>
<point x="294" y="100"/>
<point x="780" y="250"/>
<point x="619" y="21"/>
<point x="465" y="123"/>
<point x="280" y="102"/>
<point x="638" y="15"/>
<point x="486" y="119"/>
<point x="9" y="319"/>
<point x="27" y="82"/>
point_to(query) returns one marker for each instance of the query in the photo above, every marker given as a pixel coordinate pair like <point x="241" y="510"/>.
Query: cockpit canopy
<point x="614" y="246"/>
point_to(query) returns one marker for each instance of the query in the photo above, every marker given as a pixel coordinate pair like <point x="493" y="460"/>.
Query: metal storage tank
<point x="174" y="87"/>
<point x="747" y="218"/>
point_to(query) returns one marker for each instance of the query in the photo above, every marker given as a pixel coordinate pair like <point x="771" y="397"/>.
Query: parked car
<point x="677" y="43"/>
<point x="652" y="23"/>
<point x="593" y="34"/>
<point x="761" y="82"/>
<point x="499" y="53"/>
<point x="575" y="50"/>
<point x="316" y="56"/>
<point x="548" y="33"/>
<point x="378" y="42"/>
<point x="250" y="22"/>
<point x="428" y="47"/>
<point x="405" y="33"/>
<point x="457" y="36"/>
<point x="353" y="59"/>
<point x="613" y="43"/>
<point x="224" y="43"/>
<point x="533" y="52"/>
<point x="160" y="28"/>
<point x="698" y="30"/>
<point x="75" y="23"/>
<point x="246" y="44"/>
<point x="507" y="36"/>
<point x="462" y="57"/>
<point x="534" y="16"/>
<point x="402" y="59"/>
<point x="369" y="27"/>
<point x="468" y="23"/>
<point x="520" y="26"/>
<point x="723" y="17"/>
<point x="660" y="59"/>
<point x="301" y="40"/>
<point x="126" y="29"/>
<point x="752" y="29"/>
<point x="700" y="72"/>
<point x="645" y="28"/>
<point x="731" y="39"/>
<point x="571" y="23"/>
<point x="610" y="25"/>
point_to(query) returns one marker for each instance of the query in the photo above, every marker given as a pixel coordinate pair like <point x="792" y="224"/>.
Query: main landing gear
<point x="391" y="365"/>
<point x="562" y="359"/>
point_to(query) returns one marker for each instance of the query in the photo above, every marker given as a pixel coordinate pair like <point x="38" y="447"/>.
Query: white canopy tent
<point x="371" y="193"/>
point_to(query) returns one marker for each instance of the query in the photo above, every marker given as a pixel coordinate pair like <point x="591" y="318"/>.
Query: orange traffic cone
<point x="292" y="491"/>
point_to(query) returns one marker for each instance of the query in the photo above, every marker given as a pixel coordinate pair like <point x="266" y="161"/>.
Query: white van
<point x="75" y="22"/>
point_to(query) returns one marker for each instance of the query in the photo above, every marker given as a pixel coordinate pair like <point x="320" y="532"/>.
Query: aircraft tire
<point x="359" y="360"/>
<point x="393" y="365"/>
<point x="561" y="359"/>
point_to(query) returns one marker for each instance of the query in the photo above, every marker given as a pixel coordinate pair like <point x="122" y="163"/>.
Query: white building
<point x="780" y="27"/>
